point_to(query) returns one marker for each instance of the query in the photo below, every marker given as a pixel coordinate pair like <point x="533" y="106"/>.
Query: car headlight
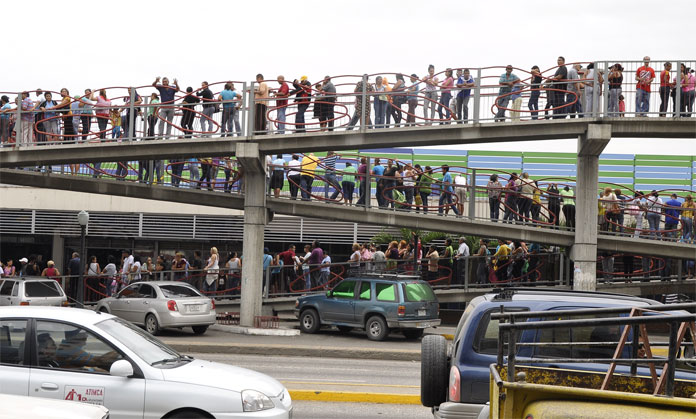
<point x="254" y="401"/>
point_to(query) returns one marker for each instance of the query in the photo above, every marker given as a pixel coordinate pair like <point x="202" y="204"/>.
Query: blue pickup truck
<point x="455" y="377"/>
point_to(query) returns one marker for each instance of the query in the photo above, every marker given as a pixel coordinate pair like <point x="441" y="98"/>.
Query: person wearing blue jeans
<point x="534" y="94"/>
<point x="228" y="97"/>
<point x="506" y="82"/>
<point x="208" y="109"/>
<point x="446" y="192"/>
<point x="644" y="76"/>
<point x="654" y="206"/>
<point x="331" y="181"/>
<point x="381" y="103"/>
<point x="306" y="186"/>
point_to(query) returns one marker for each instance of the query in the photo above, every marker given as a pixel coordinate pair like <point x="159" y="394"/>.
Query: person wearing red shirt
<point x="281" y="103"/>
<point x="644" y="76"/>
<point x="665" y="88"/>
<point x="288" y="258"/>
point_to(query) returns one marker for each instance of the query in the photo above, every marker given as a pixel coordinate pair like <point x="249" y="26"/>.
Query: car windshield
<point x="41" y="289"/>
<point x="147" y="347"/>
<point x="178" y="291"/>
<point x="418" y="292"/>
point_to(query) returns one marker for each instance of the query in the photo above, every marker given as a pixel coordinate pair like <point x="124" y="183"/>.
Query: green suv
<point x="376" y="303"/>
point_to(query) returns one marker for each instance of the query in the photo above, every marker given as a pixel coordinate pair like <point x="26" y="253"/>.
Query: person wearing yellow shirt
<point x="308" y="167"/>
<point x="687" y="219"/>
<point x="500" y="259"/>
<point x="536" y="201"/>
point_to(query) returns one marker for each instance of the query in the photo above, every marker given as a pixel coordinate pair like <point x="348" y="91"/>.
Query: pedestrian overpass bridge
<point x="592" y="134"/>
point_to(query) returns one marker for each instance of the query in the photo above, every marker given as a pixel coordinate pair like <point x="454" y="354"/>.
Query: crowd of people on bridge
<point x="410" y="187"/>
<point x="572" y="90"/>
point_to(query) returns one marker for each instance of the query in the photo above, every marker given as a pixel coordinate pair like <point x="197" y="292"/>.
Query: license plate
<point x="422" y="313"/>
<point x="194" y="308"/>
<point x="423" y="325"/>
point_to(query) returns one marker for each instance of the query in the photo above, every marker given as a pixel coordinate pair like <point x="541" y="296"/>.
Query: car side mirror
<point x="329" y="293"/>
<point x="121" y="368"/>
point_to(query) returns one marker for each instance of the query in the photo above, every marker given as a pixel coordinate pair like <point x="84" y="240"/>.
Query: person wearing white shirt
<point x="125" y="267"/>
<point x="654" y="206"/>
<point x="294" y="175"/>
<point x="461" y="256"/>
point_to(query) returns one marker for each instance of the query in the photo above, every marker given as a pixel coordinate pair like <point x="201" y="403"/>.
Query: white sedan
<point x="92" y="357"/>
<point x="160" y="304"/>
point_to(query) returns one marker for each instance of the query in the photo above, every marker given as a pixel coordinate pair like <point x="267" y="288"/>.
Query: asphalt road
<point x="322" y="410"/>
<point x="371" y="377"/>
<point x="331" y="374"/>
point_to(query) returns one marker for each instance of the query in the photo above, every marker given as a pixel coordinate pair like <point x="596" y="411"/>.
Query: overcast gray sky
<point x="78" y="44"/>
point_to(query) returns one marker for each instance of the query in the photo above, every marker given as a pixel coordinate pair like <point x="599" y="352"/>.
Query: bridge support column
<point x="584" y="251"/>
<point x="255" y="218"/>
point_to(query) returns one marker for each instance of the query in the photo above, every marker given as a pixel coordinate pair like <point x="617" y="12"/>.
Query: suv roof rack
<point x="508" y="292"/>
<point x="387" y="275"/>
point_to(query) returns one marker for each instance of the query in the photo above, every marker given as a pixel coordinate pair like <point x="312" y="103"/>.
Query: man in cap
<point x="281" y="103"/>
<point x="23" y="268"/>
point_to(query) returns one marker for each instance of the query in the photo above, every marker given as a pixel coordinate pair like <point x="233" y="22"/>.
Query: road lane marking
<point x="349" y="384"/>
<point x="354" y="397"/>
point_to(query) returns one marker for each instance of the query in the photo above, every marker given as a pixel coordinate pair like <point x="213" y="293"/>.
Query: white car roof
<point x="69" y="314"/>
<point x="27" y="278"/>
<point x="160" y="283"/>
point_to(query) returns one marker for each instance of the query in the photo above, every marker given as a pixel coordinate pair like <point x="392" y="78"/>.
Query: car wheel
<point x="413" y="333"/>
<point x="309" y="321"/>
<point x="376" y="328"/>
<point x="199" y="330"/>
<point x="188" y="415"/>
<point x="151" y="324"/>
<point x="344" y="329"/>
<point x="434" y="374"/>
<point x="103" y="310"/>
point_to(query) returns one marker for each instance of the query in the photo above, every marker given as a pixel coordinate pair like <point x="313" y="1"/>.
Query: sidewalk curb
<point x="293" y="350"/>
<point x="354" y="397"/>
<point x="241" y="330"/>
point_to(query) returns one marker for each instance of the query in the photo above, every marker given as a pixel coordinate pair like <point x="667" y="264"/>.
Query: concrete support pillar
<point x="255" y="218"/>
<point x="58" y="252"/>
<point x="584" y="251"/>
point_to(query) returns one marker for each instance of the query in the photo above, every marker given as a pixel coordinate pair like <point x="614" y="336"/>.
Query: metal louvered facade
<point x="179" y="227"/>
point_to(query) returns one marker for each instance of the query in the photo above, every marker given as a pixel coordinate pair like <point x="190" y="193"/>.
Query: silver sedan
<point x="161" y="304"/>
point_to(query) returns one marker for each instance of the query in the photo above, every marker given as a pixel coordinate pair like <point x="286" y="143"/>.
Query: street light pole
<point x="83" y="220"/>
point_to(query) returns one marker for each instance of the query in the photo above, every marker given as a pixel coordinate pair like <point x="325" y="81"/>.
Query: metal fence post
<point x="146" y="125"/>
<point x="477" y="96"/>
<point x="242" y="117"/>
<point x="472" y="195"/>
<point x="131" y="115"/>
<point x="267" y="281"/>
<point x="363" y="110"/>
<point x="595" y="91"/>
<point x="251" y="126"/>
<point x="560" y="269"/>
<point x="605" y="90"/>
<point x="677" y="92"/>
<point x="19" y="137"/>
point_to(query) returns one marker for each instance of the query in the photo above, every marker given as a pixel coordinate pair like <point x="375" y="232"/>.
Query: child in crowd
<point x="622" y="106"/>
<point x="115" y="117"/>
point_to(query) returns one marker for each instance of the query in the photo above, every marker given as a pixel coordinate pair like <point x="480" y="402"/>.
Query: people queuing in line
<point x="572" y="90"/>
